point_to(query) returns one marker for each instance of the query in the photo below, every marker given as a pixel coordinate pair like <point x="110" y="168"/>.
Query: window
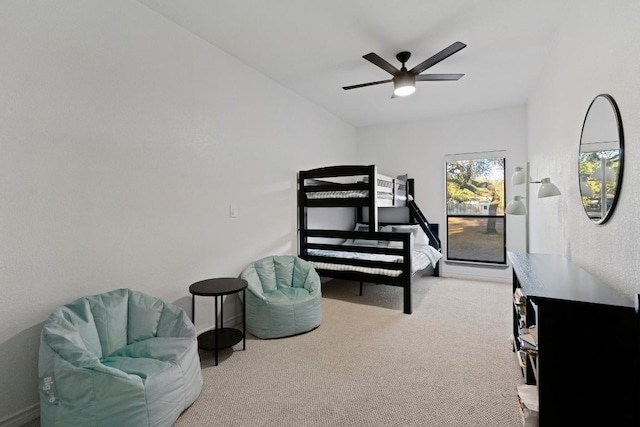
<point x="475" y="208"/>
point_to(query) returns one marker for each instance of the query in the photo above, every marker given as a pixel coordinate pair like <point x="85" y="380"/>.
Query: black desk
<point x="220" y="337"/>
<point x="586" y="368"/>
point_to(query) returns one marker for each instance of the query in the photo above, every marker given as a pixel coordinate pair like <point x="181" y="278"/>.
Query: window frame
<point x="470" y="157"/>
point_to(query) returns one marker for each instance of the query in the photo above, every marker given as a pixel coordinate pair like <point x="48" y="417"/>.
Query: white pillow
<point x="363" y="242"/>
<point x="386" y="229"/>
<point x="403" y="229"/>
<point x="418" y="233"/>
<point x="398" y="244"/>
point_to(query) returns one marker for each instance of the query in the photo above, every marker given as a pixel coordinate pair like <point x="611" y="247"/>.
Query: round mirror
<point x="601" y="158"/>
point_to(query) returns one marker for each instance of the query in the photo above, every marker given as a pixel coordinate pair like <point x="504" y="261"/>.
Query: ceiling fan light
<point x="404" y="90"/>
<point x="404" y="84"/>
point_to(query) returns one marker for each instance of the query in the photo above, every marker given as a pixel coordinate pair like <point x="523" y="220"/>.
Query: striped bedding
<point x="421" y="257"/>
<point x="346" y="194"/>
<point x="353" y="194"/>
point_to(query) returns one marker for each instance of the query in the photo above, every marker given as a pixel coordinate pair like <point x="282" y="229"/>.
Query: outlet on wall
<point x="233" y="210"/>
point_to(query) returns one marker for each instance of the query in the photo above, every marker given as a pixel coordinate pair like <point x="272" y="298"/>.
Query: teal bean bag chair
<point x="284" y="297"/>
<point x="120" y="359"/>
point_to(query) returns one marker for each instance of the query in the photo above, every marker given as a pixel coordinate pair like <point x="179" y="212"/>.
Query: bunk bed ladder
<point x="422" y="220"/>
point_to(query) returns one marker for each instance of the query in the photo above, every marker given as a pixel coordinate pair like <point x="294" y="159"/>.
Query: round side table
<point x="220" y="337"/>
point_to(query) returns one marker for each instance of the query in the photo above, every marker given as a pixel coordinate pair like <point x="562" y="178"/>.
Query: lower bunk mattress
<point x="421" y="257"/>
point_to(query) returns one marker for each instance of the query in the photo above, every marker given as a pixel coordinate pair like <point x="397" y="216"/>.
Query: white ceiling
<point x="315" y="47"/>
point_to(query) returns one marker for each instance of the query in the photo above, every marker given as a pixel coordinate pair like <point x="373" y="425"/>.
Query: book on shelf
<point x="529" y="404"/>
<point x="528" y="396"/>
<point x="528" y="338"/>
<point x="534" y="332"/>
<point x="528" y="348"/>
<point x="519" y="297"/>
<point x="527" y="345"/>
<point x="522" y="358"/>
<point x="530" y="334"/>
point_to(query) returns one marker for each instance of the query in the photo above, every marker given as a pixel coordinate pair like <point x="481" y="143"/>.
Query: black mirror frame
<point x="616" y="111"/>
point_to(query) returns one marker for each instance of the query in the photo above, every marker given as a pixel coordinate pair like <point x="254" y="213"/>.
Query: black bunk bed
<point x="383" y="253"/>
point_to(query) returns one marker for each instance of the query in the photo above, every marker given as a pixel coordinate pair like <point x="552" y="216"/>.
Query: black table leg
<point x="217" y="330"/>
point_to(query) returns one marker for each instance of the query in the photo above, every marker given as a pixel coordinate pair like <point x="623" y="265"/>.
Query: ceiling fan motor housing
<point x="403" y="57"/>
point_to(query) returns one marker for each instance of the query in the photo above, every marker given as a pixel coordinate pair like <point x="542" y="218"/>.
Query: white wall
<point x="597" y="50"/>
<point x="418" y="148"/>
<point x="123" y="140"/>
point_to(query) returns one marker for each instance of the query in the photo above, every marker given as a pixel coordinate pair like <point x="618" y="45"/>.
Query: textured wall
<point x="596" y="50"/>
<point x="124" y="139"/>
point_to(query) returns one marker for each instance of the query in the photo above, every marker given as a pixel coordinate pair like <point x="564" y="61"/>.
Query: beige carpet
<point x="448" y="364"/>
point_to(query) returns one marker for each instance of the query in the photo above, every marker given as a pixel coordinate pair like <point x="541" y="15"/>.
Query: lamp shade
<point x="585" y="188"/>
<point x="404" y="84"/>
<point x="608" y="173"/>
<point x="518" y="176"/>
<point x="547" y="189"/>
<point x="516" y="207"/>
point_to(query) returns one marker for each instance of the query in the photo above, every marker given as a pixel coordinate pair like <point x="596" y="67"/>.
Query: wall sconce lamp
<point x="585" y="188"/>
<point x="604" y="172"/>
<point x="517" y="206"/>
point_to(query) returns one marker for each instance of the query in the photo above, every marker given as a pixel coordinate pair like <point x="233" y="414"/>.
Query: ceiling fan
<point x="404" y="82"/>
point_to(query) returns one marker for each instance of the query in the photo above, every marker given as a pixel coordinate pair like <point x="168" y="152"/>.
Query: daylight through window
<point x="475" y="209"/>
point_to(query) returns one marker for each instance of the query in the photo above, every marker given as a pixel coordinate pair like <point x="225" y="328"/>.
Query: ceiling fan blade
<point x="376" y="60"/>
<point x="367" y="84"/>
<point x="437" y="77"/>
<point x="443" y="54"/>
